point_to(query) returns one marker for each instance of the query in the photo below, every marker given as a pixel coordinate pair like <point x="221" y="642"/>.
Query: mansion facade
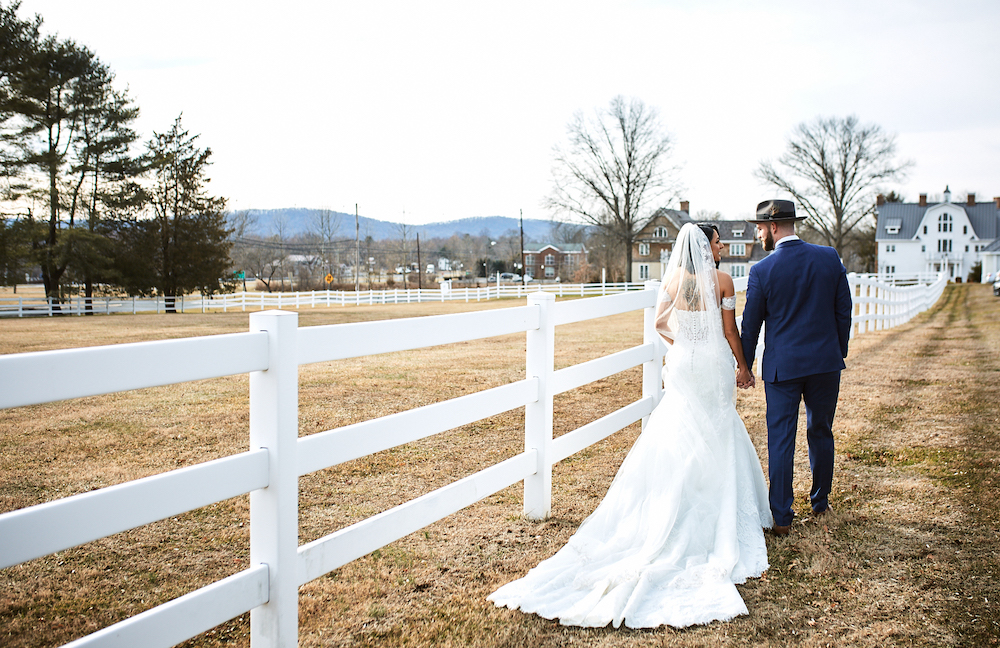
<point x="946" y="237"/>
<point x="652" y="247"/>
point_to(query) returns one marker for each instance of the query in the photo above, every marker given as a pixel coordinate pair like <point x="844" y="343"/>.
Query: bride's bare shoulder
<point x="725" y="282"/>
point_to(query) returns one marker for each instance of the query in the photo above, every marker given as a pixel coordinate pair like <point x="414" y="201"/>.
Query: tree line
<point x="278" y="259"/>
<point x="85" y="202"/>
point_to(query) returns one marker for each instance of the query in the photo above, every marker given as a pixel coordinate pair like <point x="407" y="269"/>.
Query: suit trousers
<point x="820" y="392"/>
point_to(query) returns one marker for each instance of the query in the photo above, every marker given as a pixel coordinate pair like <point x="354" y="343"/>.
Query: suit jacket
<point x="800" y="292"/>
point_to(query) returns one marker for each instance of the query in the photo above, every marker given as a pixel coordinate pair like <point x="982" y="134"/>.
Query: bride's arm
<point x="730" y="330"/>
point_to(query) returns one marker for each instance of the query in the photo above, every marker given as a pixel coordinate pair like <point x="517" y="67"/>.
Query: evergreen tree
<point x="193" y="241"/>
<point x="63" y="128"/>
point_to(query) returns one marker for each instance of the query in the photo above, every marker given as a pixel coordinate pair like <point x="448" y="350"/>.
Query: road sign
<point x="328" y="278"/>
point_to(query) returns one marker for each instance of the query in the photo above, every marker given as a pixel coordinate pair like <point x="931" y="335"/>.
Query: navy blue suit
<point x="801" y="295"/>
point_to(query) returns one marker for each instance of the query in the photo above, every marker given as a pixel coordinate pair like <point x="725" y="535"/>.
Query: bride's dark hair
<point x="707" y="229"/>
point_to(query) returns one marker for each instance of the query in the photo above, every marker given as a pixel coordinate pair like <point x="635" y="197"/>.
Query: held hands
<point x="745" y="379"/>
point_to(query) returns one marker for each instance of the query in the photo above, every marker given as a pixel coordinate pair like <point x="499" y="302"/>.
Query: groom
<point x="800" y="293"/>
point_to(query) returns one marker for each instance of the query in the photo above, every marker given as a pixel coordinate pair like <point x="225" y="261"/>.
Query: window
<point x="738" y="233"/>
<point x="944" y="245"/>
<point x="890" y="269"/>
<point x="550" y="260"/>
<point x="965" y="229"/>
<point x="892" y="230"/>
<point x="738" y="270"/>
<point x="569" y="259"/>
<point x="737" y="249"/>
<point x="966" y="248"/>
<point x="529" y="259"/>
<point x="944" y="223"/>
<point x="661" y="232"/>
<point x="925" y="229"/>
<point x="923" y="248"/>
<point x="549" y="272"/>
<point x="643" y="271"/>
<point x="644" y="249"/>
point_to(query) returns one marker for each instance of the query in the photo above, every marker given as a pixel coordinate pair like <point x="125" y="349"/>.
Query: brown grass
<point x="908" y="558"/>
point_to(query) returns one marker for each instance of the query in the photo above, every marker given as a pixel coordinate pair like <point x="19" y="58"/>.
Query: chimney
<point x="923" y="200"/>
<point x="996" y="201"/>
<point x="684" y="206"/>
<point x="879" y="200"/>
<point x="971" y="202"/>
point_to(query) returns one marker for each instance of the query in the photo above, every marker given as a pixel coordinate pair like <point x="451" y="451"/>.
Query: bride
<point x="682" y="521"/>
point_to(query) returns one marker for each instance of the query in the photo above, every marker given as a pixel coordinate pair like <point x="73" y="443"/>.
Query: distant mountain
<point x="299" y="221"/>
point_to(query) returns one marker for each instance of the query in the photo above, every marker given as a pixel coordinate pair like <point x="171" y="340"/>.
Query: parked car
<point x="509" y="276"/>
<point x="996" y="287"/>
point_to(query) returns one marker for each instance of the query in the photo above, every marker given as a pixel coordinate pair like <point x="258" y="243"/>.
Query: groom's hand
<point x="744" y="378"/>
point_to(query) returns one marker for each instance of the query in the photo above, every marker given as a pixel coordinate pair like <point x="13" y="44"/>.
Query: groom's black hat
<point x="776" y="211"/>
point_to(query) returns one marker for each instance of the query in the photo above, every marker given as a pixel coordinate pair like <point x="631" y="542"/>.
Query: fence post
<point x="652" y="370"/>
<point x="274" y="511"/>
<point x="538" y="415"/>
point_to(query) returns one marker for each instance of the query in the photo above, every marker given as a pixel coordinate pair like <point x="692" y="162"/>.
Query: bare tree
<point x="832" y="168"/>
<point x="325" y="226"/>
<point x="242" y="225"/>
<point x="406" y="234"/>
<point x="612" y="173"/>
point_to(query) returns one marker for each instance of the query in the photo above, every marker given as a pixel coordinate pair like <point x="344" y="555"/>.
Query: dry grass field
<point x="909" y="558"/>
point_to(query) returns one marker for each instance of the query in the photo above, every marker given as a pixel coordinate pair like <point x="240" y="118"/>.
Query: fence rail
<point x="243" y="301"/>
<point x="271" y="353"/>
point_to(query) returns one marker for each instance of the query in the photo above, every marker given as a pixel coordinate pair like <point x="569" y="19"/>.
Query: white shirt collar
<point x="790" y="237"/>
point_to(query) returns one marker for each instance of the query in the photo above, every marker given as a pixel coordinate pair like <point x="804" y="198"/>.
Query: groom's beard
<point x="768" y="240"/>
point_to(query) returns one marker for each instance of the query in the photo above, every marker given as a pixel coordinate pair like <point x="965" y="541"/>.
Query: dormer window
<point x="737" y="233"/>
<point x="892" y="225"/>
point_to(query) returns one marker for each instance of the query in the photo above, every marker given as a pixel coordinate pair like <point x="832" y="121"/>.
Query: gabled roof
<point x="675" y="216"/>
<point x="560" y="247"/>
<point x="727" y="227"/>
<point x="992" y="247"/>
<point x="984" y="217"/>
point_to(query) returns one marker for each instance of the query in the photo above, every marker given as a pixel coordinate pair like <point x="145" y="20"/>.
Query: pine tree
<point x="192" y="236"/>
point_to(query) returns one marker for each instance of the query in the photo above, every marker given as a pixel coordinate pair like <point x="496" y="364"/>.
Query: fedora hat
<point x="776" y="211"/>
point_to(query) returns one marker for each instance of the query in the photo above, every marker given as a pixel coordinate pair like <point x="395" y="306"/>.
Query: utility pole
<point x="420" y="267"/>
<point x="521" y="261"/>
<point x="357" y="251"/>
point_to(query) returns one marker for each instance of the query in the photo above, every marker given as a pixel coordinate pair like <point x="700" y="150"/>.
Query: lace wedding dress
<point x="682" y="521"/>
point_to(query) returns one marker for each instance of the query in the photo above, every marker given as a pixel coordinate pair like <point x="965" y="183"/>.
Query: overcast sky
<point x="430" y="111"/>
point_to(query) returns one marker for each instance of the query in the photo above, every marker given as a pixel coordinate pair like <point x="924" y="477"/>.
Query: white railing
<point x="904" y="279"/>
<point x="272" y="352"/>
<point x="879" y="305"/>
<point x="41" y="306"/>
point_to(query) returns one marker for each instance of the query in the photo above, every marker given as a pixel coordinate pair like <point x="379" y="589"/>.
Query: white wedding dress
<point x="682" y="521"/>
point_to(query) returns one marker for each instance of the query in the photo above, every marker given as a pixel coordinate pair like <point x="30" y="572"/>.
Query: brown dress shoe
<point x="779" y="530"/>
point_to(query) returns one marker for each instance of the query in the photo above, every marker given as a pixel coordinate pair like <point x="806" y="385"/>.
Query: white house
<point x="945" y="237"/>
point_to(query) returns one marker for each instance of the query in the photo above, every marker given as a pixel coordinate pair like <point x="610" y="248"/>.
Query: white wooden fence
<point x="41" y="306"/>
<point x="271" y="353"/>
<point x="879" y="305"/>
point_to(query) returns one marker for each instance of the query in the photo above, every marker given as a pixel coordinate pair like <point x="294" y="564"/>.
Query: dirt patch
<point x="908" y="558"/>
